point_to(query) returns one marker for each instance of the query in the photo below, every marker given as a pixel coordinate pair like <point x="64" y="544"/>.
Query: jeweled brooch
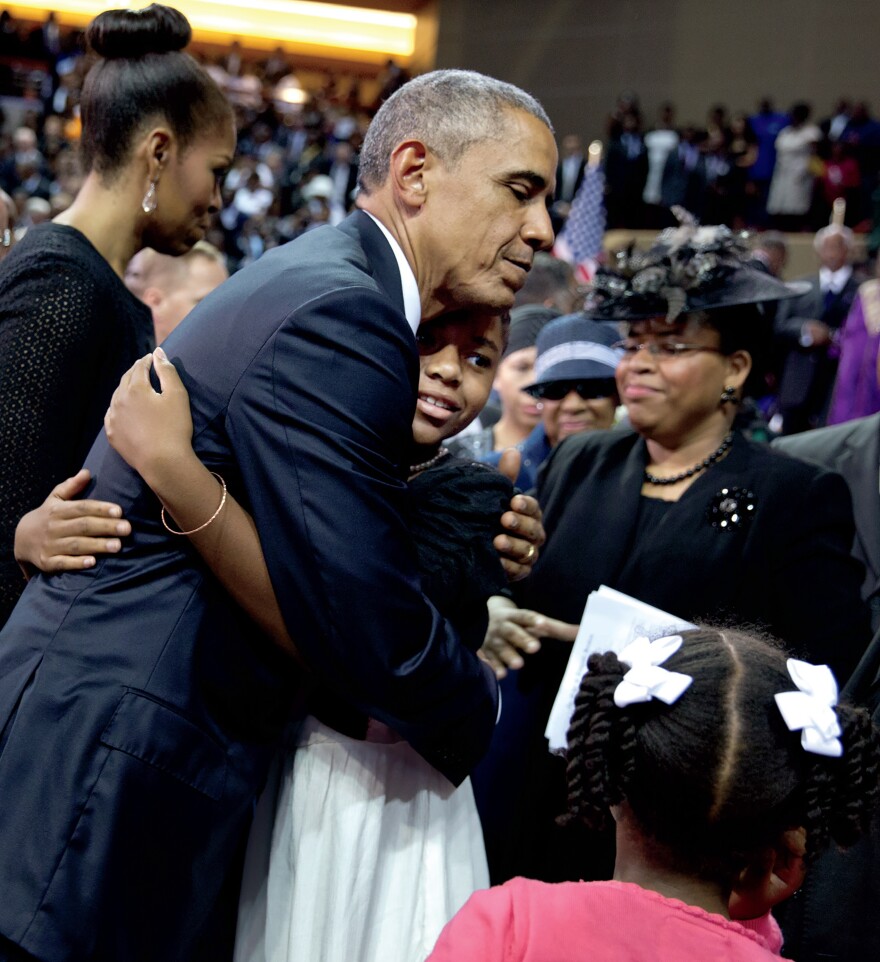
<point x="731" y="508"/>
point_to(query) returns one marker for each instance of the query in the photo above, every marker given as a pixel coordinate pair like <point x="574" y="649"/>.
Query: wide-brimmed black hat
<point x="688" y="268"/>
<point x="575" y="348"/>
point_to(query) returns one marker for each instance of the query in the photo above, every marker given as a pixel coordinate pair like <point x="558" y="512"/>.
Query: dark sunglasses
<point x="557" y="390"/>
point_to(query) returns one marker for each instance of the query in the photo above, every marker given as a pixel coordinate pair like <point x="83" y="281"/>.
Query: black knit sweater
<point x="69" y="329"/>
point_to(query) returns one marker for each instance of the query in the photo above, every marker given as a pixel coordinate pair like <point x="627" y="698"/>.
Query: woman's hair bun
<point x="129" y="34"/>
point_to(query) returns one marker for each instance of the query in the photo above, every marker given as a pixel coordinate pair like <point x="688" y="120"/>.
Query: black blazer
<point x="139" y="708"/>
<point x="787" y="568"/>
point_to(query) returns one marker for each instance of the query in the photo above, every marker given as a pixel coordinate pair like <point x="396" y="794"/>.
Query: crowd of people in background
<point x="296" y="162"/>
<point x="298" y="143"/>
<point x="763" y="168"/>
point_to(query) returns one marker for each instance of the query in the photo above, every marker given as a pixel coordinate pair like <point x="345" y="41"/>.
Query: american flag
<point x="580" y="240"/>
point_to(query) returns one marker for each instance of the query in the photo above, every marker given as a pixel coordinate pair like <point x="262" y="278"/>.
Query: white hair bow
<point x="646" y="679"/>
<point x="811" y="708"/>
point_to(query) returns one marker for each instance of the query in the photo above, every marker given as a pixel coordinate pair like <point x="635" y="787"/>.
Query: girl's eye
<point x="480" y="360"/>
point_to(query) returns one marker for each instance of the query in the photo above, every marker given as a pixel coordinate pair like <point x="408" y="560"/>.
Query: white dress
<point x="791" y="188"/>
<point x="360" y="852"/>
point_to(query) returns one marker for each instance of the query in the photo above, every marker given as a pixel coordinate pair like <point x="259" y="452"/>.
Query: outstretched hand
<point x="65" y="535"/>
<point x="151" y="430"/>
<point x="518" y="547"/>
<point x="514" y="632"/>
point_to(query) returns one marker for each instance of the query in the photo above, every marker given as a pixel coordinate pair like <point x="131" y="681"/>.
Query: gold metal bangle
<point x="213" y="517"/>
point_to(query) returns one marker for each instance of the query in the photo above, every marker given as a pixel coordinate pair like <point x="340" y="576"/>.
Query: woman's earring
<point x="150" y="201"/>
<point x="540" y="405"/>
<point x="728" y="395"/>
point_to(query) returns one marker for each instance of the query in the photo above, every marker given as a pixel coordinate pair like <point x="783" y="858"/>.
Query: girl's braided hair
<point x="717" y="776"/>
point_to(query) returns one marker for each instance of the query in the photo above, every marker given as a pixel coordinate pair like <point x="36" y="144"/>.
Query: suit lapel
<point x="382" y="262"/>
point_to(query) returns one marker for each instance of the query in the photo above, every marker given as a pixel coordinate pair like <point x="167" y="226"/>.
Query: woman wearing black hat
<point x="684" y="513"/>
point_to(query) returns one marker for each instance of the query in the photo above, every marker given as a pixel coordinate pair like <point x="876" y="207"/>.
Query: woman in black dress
<point x="158" y="135"/>
<point x="683" y="512"/>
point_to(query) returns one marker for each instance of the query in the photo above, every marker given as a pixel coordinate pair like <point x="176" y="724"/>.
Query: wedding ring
<point x="530" y="554"/>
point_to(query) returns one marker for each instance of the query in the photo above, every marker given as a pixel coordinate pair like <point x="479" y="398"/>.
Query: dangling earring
<point x="150" y="201"/>
<point x="728" y="395"/>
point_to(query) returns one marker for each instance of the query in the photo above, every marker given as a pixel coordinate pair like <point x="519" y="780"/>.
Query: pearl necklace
<point x="418" y="468"/>
<point x="705" y="463"/>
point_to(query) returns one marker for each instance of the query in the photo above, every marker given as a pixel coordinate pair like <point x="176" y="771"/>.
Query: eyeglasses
<point x="663" y="350"/>
<point x="557" y="390"/>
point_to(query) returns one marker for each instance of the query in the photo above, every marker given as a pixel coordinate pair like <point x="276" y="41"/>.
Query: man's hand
<point x="65" y="535"/>
<point x="518" y="547"/>
<point x="515" y="631"/>
<point x="815" y="334"/>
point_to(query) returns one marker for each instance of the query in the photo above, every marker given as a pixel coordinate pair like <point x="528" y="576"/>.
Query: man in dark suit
<point x="806" y="329"/>
<point x="570" y="170"/>
<point x="139" y="707"/>
<point x="853" y="450"/>
<point x="833" y="917"/>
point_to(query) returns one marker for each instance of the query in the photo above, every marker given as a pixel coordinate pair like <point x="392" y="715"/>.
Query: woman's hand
<point x="519" y="548"/>
<point x="152" y="431"/>
<point x="515" y="631"/>
<point x="65" y="535"/>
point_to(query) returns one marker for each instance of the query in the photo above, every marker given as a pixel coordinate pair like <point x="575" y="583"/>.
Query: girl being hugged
<point x="726" y="767"/>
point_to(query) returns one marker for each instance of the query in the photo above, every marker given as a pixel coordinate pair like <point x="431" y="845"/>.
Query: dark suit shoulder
<point x="782" y="464"/>
<point x="822" y="446"/>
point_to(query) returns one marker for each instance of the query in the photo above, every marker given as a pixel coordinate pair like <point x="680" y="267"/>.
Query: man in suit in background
<point x="833" y="918"/>
<point x="570" y="170"/>
<point x="853" y="450"/>
<point x="806" y="329"/>
<point x="139" y="706"/>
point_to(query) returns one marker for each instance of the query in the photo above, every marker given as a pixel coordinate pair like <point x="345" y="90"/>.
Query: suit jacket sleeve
<point x="320" y="424"/>
<point x="792" y="314"/>
<point x="817" y="579"/>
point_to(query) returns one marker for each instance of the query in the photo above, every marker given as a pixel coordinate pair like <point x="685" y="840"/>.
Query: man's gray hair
<point x="447" y="110"/>
<point x="834" y="230"/>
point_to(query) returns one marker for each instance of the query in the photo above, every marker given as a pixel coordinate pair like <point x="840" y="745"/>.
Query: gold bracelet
<point x="213" y="517"/>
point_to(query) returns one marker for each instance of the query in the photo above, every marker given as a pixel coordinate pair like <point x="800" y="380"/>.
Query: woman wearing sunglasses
<point x="574" y="388"/>
<point x="683" y="512"/>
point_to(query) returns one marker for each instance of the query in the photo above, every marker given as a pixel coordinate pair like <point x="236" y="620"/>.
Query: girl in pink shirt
<point x="725" y="767"/>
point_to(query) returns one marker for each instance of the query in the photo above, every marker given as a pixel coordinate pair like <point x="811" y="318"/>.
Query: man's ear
<point x="408" y="164"/>
<point x="776" y="875"/>
<point x="152" y="297"/>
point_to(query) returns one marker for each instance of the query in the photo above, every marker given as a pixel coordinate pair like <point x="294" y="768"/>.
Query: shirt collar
<point x="835" y="280"/>
<point x="412" y="303"/>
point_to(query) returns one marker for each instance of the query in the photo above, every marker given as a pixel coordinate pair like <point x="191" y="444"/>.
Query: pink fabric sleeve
<point x="767" y="927"/>
<point x="482" y="931"/>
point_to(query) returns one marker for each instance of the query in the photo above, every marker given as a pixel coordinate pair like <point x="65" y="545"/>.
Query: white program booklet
<point x="611" y="620"/>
